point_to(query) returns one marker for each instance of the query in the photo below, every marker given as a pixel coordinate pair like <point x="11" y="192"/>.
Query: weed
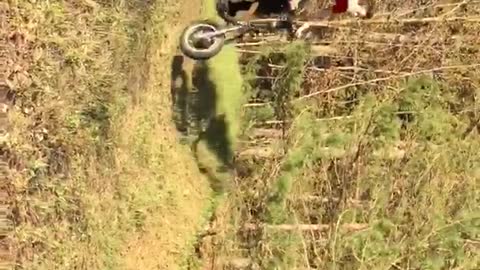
<point x="374" y="169"/>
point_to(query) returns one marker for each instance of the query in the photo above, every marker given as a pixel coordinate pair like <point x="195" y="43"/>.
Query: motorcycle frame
<point x="252" y="24"/>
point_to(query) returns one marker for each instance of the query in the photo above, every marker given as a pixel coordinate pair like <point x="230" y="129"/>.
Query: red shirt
<point x="340" y="6"/>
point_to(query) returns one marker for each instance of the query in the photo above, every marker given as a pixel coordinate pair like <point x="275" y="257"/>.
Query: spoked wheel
<point x="199" y="41"/>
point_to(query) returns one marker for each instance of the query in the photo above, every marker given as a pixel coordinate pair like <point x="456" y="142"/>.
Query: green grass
<point x="225" y="74"/>
<point x="401" y="161"/>
<point x="218" y="103"/>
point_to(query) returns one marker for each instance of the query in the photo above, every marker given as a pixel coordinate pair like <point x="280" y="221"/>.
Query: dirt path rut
<point x="168" y="236"/>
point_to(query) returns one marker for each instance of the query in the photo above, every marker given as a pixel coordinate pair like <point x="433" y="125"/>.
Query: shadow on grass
<point x="179" y="92"/>
<point x="195" y="114"/>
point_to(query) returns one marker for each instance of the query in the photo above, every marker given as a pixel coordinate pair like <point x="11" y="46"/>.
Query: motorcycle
<point x="203" y="40"/>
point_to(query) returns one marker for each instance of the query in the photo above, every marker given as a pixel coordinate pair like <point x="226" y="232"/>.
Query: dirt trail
<point x="168" y="235"/>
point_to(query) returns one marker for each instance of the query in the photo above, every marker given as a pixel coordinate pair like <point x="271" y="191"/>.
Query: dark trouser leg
<point x="287" y="22"/>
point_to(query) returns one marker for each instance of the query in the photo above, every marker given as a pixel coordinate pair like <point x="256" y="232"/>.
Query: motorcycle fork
<point x="222" y="32"/>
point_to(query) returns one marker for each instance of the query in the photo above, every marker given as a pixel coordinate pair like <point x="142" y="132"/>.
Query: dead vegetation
<point x="365" y="158"/>
<point x="59" y="69"/>
<point x="84" y="143"/>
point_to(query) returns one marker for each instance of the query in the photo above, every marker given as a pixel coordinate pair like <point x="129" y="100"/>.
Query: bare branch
<point x="387" y="79"/>
<point x="397" y="21"/>
<point x="351" y="227"/>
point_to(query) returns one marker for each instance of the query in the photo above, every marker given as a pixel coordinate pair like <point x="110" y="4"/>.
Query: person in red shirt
<point x="289" y="9"/>
<point x="357" y="8"/>
<point x="228" y="8"/>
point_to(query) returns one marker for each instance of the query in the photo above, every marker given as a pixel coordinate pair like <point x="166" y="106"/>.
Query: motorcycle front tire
<point x="200" y="53"/>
